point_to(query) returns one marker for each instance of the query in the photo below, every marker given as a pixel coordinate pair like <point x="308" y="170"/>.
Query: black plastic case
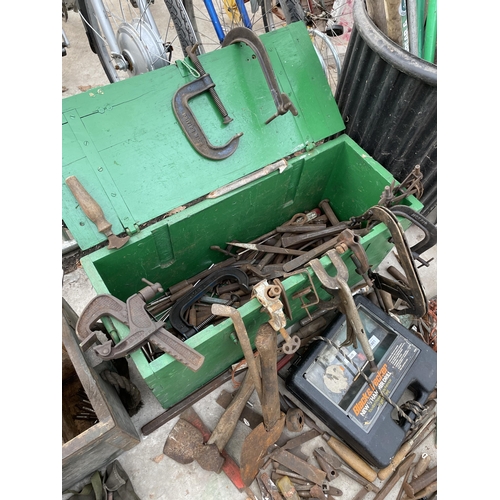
<point x="327" y="381"/>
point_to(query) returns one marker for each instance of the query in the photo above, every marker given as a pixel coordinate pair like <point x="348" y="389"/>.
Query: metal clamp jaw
<point x="355" y="328"/>
<point x="281" y="100"/>
<point x="142" y="328"/>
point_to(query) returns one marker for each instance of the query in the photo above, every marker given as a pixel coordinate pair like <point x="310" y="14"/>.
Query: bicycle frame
<point x="215" y="19"/>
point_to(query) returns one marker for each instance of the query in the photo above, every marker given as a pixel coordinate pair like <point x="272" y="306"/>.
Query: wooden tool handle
<point x="89" y="206"/>
<point x="265" y="342"/>
<point x="383" y="474"/>
<point x="351" y="458"/>
<point x="227" y="423"/>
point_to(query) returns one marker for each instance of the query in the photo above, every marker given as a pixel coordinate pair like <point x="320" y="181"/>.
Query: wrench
<point x="142" y="328"/>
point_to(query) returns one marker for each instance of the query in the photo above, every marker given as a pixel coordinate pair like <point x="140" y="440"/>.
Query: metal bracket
<point x="268" y="296"/>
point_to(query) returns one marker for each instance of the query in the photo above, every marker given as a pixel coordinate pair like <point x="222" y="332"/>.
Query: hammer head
<point x="115" y="242"/>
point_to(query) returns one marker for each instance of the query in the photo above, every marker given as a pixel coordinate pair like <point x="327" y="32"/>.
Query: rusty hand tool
<point x="302" y="260"/>
<point x="268" y="296"/>
<point x="227" y="423"/>
<point x="287" y="489"/>
<point x="299" y="466"/>
<point x="420" y="483"/>
<point x="294" y="420"/>
<point x="348" y="305"/>
<point x="423" y="494"/>
<point x="263" y="490"/>
<point x="328" y="211"/>
<point x="429" y="229"/>
<point x="351" y="458"/>
<point x="414" y="295"/>
<point x="364" y="473"/>
<point x="268" y="248"/>
<point x="264" y="435"/>
<point x="396" y="476"/>
<point x="230" y="467"/>
<point x="94" y="212"/>
<point x="185" y="443"/>
<point x="246" y="347"/>
<point x="191" y="52"/>
<point x="182" y="305"/>
<point x="281" y="100"/>
<point x="406" y="478"/>
<point x="270" y="486"/>
<point x="338" y="466"/>
<point x="295" y="239"/>
<point x="331" y="473"/>
<point x="325" y="491"/>
<point x="407" y="446"/>
<point x="142" y="328"/>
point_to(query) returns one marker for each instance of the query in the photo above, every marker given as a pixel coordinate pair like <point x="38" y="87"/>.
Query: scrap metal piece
<point x="294" y="420"/>
<point x="281" y="100"/>
<point x="300" y="466"/>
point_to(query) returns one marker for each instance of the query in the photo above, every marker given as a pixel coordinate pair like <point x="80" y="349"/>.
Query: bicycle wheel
<point x="132" y="37"/>
<point x="329" y="23"/>
<point x="213" y="19"/>
<point x="328" y="56"/>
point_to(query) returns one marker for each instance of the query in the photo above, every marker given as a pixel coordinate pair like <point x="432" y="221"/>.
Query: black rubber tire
<point x="182" y="23"/>
<point x="293" y="11"/>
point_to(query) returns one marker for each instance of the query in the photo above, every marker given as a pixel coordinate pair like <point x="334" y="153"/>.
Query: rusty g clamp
<point x="189" y="123"/>
<point x="142" y="328"/>
<point x="281" y="100"/>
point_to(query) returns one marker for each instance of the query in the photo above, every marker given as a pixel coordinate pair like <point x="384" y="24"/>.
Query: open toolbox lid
<point x="124" y="144"/>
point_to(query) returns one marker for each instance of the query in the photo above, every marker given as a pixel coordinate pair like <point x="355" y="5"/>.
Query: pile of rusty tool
<point x="287" y="250"/>
<point x="293" y="474"/>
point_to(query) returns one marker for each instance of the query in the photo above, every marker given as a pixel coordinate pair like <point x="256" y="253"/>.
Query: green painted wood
<point x="338" y="170"/>
<point x="129" y="131"/>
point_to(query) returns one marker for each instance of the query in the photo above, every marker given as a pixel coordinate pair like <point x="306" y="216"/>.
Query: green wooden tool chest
<point x="125" y="146"/>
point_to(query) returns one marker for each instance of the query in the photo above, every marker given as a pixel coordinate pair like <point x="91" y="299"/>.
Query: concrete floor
<point x="154" y="476"/>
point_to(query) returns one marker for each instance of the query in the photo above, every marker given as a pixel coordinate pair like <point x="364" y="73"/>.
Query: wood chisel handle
<point x="89" y="206"/>
<point x="351" y="458"/>
<point x="384" y="473"/>
<point x="227" y="423"/>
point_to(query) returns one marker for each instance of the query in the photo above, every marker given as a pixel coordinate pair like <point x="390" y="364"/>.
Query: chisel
<point x="94" y="212"/>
